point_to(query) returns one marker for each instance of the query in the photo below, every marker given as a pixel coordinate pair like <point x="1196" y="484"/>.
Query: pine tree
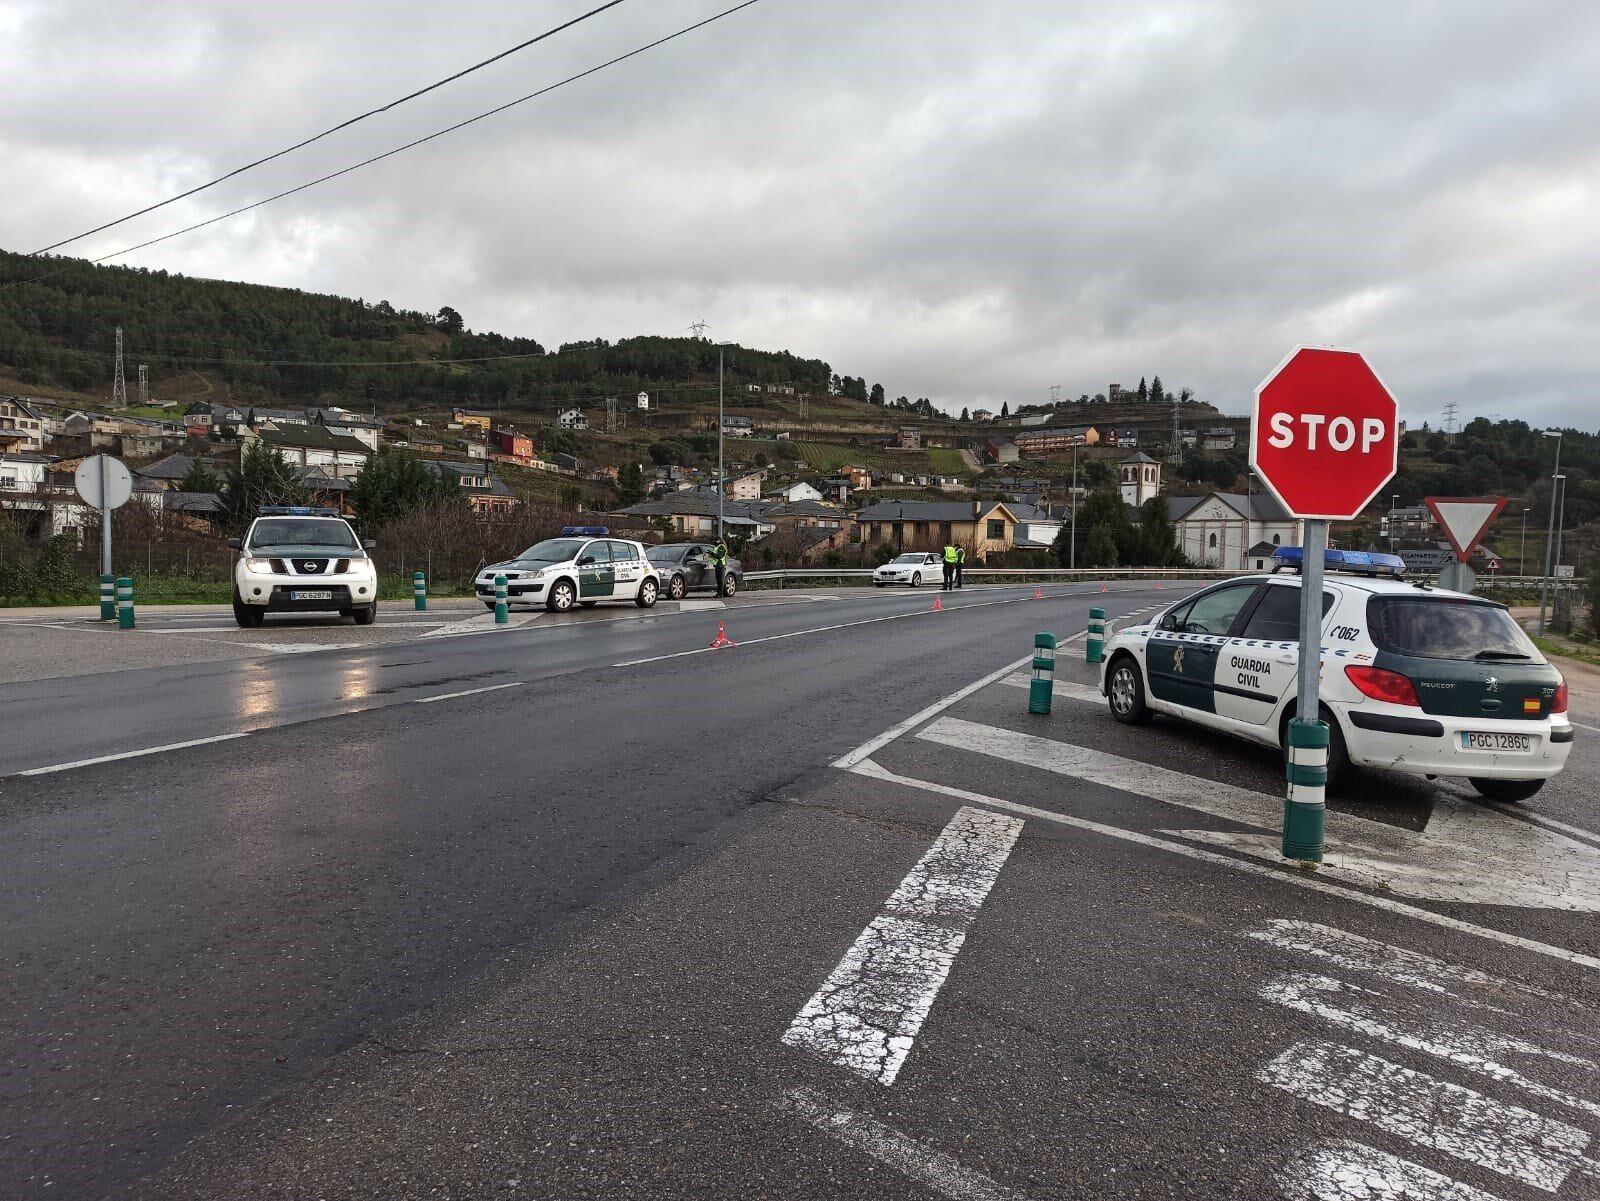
<point x="1158" y="394"/>
<point x="1005" y="408"/>
<point x="1144" y="392"/>
<point x="263" y="477"/>
<point x="200" y="478"/>
<point x="630" y="483"/>
<point x="394" y="483"/>
<point x="965" y="416"/>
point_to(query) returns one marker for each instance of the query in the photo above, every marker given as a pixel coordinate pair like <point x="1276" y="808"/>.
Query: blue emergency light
<point x="296" y="511"/>
<point x="584" y="531"/>
<point x="1356" y="562"/>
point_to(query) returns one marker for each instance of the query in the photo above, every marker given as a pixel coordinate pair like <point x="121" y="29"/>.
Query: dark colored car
<point x="685" y="567"/>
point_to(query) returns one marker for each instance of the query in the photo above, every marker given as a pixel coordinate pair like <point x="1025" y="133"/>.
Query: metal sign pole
<point x="1304" y="808"/>
<point x="105" y="521"/>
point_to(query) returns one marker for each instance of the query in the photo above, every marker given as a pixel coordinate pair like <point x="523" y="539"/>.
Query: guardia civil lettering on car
<point x="298" y="559"/>
<point x="1414" y="679"/>
<point x="584" y="566"/>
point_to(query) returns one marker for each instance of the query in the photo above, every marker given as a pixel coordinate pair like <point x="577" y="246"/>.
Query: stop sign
<point x="1324" y="434"/>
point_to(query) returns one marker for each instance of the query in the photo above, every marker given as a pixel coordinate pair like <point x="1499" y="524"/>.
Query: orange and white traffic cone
<point x="1159" y="585"/>
<point x="938" y="605"/>
<point x="1103" y="588"/>
<point x="722" y="639"/>
<point x="1038" y="594"/>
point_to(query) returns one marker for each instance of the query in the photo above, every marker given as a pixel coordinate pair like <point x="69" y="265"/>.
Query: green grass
<point x="1563" y="648"/>
<point x="948" y="461"/>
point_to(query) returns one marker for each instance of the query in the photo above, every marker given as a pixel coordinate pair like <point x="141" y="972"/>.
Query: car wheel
<point x="916" y="579"/>
<point x="249" y="617"/>
<point x="489" y="605"/>
<point x="1506" y="791"/>
<point x="648" y="591"/>
<point x="1338" y="756"/>
<point x="1125" y="690"/>
<point x="562" y="597"/>
<point x="730" y="585"/>
<point x="878" y="584"/>
<point x="677" y="589"/>
<point x="365" y="615"/>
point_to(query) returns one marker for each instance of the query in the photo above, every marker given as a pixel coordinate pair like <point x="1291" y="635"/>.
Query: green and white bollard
<point x="108" y="598"/>
<point x="419" y="589"/>
<point x="1094" y="646"/>
<point x="125" y="603"/>
<point x="502" y="611"/>
<point x="1304" y="809"/>
<point x="1044" y="673"/>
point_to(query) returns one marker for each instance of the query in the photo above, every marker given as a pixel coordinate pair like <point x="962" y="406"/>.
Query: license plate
<point x="1481" y="740"/>
<point x="316" y="594"/>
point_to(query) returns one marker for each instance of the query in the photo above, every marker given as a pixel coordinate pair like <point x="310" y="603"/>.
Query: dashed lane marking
<point x="149" y="750"/>
<point x="1283" y="875"/>
<point x="1345" y="1170"/>
<point x="940" y="1172"/>
<point x="1508" y="1139"/>
<point x="867" y="1014"/>
<point x="450" y="696"/>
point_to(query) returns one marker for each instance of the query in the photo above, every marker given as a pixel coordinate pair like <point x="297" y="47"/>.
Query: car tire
<point x="489" y="605"/>
<point x="916" y="579"/>
<point x="249" y="617"/>
<point x="877" y="584"/>
<point x="677" y="589"/>
<point x="1507" y="792"/>
<point x="1125" y="692"/>
<point x="563" y="596"/>
<point x="365" y="615"/>
<point x="648" y="591"/>
<point x="730" y="585"/>
<point x="1339" y="768"/>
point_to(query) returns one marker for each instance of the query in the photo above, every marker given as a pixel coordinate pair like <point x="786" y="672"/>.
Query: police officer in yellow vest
<point x="719" y="560"/>
<point x="961" y="563"/>
<point x="951" y="557"/>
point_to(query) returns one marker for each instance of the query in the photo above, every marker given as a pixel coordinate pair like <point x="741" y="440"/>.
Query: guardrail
<point x="779" y="577"/>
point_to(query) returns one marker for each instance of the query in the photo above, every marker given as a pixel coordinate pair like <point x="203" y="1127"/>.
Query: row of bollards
<point x="1042" y="686"/>
<point x="116" y="600"/>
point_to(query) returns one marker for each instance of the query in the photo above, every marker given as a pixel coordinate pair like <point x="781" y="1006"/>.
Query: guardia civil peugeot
<point x="1414" y="679"/>
<point x="582" y="567"/>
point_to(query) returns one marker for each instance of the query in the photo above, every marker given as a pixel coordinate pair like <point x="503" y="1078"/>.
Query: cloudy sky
<point x="965" y="201"/>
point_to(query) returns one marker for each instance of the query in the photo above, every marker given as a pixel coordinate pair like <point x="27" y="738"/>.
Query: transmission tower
<point x="1450" y="420"/>
<point x="698" y="329"/>
<point x="144" y="384"/>
<point x="611" y="414"/>
<point x="1055" y="395"/>
<point x="119" y="383"/>
<point x="1175" y="451"/>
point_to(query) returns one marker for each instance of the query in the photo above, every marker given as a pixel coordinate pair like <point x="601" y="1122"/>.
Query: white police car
<point x="1414" y="679"/>
<point x="914" y="568"/>
<point x="296" y="559"/>
<point x="582" y="567"/>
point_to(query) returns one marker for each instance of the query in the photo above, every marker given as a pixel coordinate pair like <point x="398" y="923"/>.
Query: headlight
<point x="258" y="566"/>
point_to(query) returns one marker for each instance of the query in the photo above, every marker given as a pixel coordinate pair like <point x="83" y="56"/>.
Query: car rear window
<point x="1436" y="627"/>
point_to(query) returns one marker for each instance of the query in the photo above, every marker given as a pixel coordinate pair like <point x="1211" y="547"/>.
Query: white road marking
<point x="1283" y="875"/>
<point x="484" y="623"/>
<point x="1548" y="823"/>
<point x="1507" y="1139"/>
<point x="871" y="746"/>
<point x="1468" y="853"/>
<point x="1484" y="1052"/>
<point x="1581" y="726"/>
<point x="699" y="606"/>
<point x="1412" y="968"/>
<point x="149" y="750"/>
<point x="1066" y="690"/>
<point x="867" y="1014"/>
<point x="292" y="648"/>
<point x="940" y="1172"/>
<point x="1352" y="1171"/>
<point x="450" y="696"/>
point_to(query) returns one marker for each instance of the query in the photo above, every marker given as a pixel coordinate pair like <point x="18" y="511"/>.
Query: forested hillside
<point x="58" y="319"/>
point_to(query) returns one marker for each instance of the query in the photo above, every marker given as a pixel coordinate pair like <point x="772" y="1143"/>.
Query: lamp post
<point x="1549" y="535"/>
<point x="1561" y="518"/>
<point x="1072" y="551"/>
<point x="1394" y="503"/>
<point x="1522" y="547"/>
<point x="722" y="484"/>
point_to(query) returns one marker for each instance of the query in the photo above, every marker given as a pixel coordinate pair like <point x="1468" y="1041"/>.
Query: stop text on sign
<point x="1341" y="433"/>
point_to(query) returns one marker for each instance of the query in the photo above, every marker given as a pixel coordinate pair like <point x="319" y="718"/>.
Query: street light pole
<point x="1072" y="559"/>
<point x="722" y="484"/>
<point x="1522" y="548"/>
<point x="1561" y="521"/>
<point x="1549" y="535"/>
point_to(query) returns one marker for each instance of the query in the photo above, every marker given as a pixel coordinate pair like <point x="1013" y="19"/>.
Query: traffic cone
<point x="1103" y="588"/>
<point x="938" y="605"/>
<point x="1159" y="585"/>
<point x="722" y="639"/>
<point x="1038" y="594"/>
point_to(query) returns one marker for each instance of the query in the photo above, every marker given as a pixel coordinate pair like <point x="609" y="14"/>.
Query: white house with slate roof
<point x="1230" y="530"/>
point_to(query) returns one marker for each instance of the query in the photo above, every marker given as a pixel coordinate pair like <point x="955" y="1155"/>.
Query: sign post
<point x="1324" y="438"/>
<point x="104" y="484"/>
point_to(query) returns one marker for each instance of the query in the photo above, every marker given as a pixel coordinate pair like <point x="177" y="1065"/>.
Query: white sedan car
<point x="916" y="568"/>
<point x="582" y="567"/>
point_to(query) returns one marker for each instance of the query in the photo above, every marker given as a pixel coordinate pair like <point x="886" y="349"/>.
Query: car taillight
<point x="1559" y="704"/>
<point x="1383" y="685"/>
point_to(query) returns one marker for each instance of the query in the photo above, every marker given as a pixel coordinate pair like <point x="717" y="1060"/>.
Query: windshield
<point x="1437" y="628"/>
<point x="666" y="554"/>
<point x="552" y="550"/>
<point x="292" y="531"/>
<point x="910" y="558"/>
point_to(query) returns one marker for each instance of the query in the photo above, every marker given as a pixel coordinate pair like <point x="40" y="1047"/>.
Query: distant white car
<point x="915" y="568"/>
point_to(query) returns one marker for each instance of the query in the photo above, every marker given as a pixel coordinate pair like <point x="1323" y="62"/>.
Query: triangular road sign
<point x="1464" y="519"/>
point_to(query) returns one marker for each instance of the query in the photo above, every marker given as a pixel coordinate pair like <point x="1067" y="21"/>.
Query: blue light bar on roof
<point x="295" y="511"/>
<point x="1357" y="562"/>
<point x="584" y="531"/>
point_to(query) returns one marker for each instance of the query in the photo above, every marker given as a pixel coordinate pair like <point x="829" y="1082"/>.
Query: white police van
<point x="1414" y="679"/>
<point x="298" y="559"/>
<point x="582" y="567"/>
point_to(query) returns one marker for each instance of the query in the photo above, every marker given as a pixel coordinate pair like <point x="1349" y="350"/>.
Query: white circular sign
<point x="119" y="483"/>
<point x="644" y="400"/>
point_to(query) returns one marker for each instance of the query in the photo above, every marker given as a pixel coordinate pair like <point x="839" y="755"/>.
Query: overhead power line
<point x="449" y="129"/>
<point x="549" y="33"/>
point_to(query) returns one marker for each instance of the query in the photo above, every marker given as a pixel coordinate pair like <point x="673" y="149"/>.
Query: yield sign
<point x="1464" y="519"/>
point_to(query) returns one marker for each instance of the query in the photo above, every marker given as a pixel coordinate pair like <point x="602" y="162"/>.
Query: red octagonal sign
<point x="1324" y="435"/>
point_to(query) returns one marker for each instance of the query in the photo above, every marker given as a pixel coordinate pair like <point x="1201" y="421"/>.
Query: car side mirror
<point x="586" y="561"/>
<point x="1167" y="623"/>
<point x="368" y="544"/>
<point x="236" y="543"/>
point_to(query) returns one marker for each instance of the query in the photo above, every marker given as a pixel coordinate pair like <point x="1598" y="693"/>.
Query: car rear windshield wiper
<point x="1499" y="655"/>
